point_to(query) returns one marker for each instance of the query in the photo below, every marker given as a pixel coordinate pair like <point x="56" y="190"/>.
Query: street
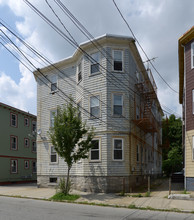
<point x="21" y="209"/>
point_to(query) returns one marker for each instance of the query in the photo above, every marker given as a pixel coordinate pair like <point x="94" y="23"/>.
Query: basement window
<point x="53" y="179"/>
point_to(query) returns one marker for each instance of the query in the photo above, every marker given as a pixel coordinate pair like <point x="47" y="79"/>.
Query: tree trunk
<point x="67" y="181"/>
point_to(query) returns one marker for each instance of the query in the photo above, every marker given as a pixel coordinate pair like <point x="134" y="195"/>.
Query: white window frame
<point x="16" y="167"/>
<point x="192" y="55"/>
<point x="54" y="83"/>
<point x="113" y="56"/>
<point x="16" y="142"/>
<point x="79" y="72"/>
<point x="96" y="62"/>
<point x="52" y="117"/>
<point x="98" y="97"/>
<point x="53" y="153"/>
<point x="113" y="105"/>
<point x="122" y="141"/>
<point x="99" y="151"/>
<point x="15" y="121"/>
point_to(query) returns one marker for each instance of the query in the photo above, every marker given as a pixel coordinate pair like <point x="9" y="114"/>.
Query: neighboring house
<point x="186" y="98"/>
<point x="118" y="97"/>
<point x="17" y="145"/>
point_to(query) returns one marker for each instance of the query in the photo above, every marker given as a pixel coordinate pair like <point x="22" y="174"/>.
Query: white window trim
<point x="99" y="63"/>
<point x="97" y="94"/>
<point x="119" y="71"/>
<point x="16" y="142"/>
<point x="54" y="91"/>
<point x="80" y="63"/>
<point x="113" y="147"/>
<point x="16" y="120"/>
<point x="99" y="147"/>
<point x="192" y="55"/>
<point x="115" y="93"/>
<point x="50" y="111"/>
<point x="56" y="162"/>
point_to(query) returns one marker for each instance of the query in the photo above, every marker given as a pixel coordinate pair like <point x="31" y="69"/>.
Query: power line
<point x="142" y="48"/>
<point x="108" y="124"/>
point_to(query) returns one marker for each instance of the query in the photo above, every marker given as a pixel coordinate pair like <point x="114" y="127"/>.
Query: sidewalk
<point x="157" y="200"/>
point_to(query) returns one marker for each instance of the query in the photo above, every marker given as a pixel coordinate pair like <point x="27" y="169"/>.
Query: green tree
<point x="172" y="144"/>
<point x="70" y="136"/>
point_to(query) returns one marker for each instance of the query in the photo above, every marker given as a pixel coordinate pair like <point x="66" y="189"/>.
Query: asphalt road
<point x="28" y="209"/>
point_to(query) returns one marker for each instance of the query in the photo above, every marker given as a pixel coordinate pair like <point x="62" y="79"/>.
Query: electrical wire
<point x="149" y="60"/>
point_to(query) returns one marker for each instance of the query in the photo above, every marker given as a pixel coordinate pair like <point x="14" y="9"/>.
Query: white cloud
<point x="22" y="95"/>
<point x="156" y="24"/>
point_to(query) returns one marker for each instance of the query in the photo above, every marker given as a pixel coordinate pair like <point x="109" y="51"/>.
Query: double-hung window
<point x="117" y="149"/>
<point x="192" y="55"/>
<point x="118" y="60"/>
<point x="79" y="72"/>
<point x="13" y="120"/>
<point x="95" y="150"/>
<point x="95" y="106"/>
<point x="117" y="104"/>
<point x="14" y="166"/>
<point x="53" y="155"/>
<point x="95" y="59"/>
<point x="53" y="113"/>
<point x="14" y="143"/>
<point x="53" y="80"/>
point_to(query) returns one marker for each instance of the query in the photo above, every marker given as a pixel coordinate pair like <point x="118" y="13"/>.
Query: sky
<point x="156" y="24"/>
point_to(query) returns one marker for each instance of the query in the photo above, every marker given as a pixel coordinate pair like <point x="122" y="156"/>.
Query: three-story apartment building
<point x="17" y="145"/>
<point x="116" y="95"/>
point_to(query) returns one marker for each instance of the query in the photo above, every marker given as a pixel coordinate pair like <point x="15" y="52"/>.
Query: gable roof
<point x="183" y="40"/>
<point x="17" y="110"/>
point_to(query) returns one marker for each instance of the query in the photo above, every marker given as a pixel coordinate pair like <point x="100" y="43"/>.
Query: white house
<point x="118" y="97"/>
